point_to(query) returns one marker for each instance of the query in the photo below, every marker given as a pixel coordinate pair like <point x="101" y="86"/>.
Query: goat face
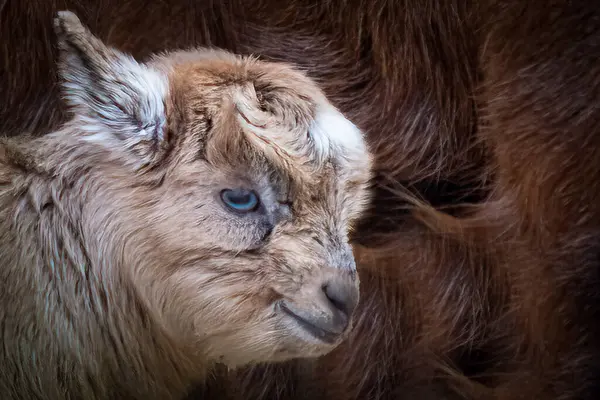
<point x="224" y="188"/>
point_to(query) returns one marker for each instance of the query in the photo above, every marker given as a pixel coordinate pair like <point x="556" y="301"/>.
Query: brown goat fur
<point x="125" y="273"/>
<point x="479" y="258"/>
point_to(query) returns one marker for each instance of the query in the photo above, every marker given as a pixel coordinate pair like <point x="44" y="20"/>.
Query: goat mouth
<point x="319" y="333"/>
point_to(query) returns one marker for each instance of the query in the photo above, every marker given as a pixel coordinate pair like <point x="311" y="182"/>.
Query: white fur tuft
<point x="332" y="132"/>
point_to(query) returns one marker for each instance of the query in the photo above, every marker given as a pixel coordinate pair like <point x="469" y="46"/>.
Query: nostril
<point x="342" y="296"/>
<point x="329" y="293"/>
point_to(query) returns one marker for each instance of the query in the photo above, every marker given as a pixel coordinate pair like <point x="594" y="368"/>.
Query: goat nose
<point x="331" y="309"/>
<point x="342" y="294"/>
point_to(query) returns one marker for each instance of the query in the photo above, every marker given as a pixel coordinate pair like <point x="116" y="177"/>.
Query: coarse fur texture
<point x="480" y="259"/>
<point x="126" y="273"/>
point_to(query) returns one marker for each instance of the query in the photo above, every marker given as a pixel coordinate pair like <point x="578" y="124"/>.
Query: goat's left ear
<point x="117" y="99"/>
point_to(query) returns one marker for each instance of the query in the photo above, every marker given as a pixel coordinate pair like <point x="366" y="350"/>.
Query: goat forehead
<point x="318" y="127"/>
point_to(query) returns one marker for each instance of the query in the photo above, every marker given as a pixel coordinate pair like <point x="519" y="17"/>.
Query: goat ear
<point x="109" y="91"/>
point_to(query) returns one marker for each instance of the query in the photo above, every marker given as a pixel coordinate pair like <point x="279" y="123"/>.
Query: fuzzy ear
<point x="115" y="97"/>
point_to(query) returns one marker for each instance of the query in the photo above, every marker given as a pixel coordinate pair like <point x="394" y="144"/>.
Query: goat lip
<point x="319" y="333"/>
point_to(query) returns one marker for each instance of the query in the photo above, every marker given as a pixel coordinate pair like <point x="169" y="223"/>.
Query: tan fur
<point x="479" y="256"/>
<point x="122" y="274"/>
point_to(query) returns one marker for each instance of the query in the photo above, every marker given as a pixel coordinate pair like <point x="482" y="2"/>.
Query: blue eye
<point x="240" y="200"/>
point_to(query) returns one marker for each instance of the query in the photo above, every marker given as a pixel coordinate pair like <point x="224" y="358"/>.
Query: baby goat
<point x="195" y="209"/>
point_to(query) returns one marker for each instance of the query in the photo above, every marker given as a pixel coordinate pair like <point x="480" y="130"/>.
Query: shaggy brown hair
<point x="481" y="254"/>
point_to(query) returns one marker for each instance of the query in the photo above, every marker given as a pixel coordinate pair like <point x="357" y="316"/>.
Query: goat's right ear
<point x="118" y="99"/>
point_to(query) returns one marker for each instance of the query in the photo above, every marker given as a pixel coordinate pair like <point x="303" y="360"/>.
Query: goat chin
<point x="478" y="257"/>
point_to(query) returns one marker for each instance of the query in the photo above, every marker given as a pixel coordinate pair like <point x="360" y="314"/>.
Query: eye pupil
<point x="240" y="199"/>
